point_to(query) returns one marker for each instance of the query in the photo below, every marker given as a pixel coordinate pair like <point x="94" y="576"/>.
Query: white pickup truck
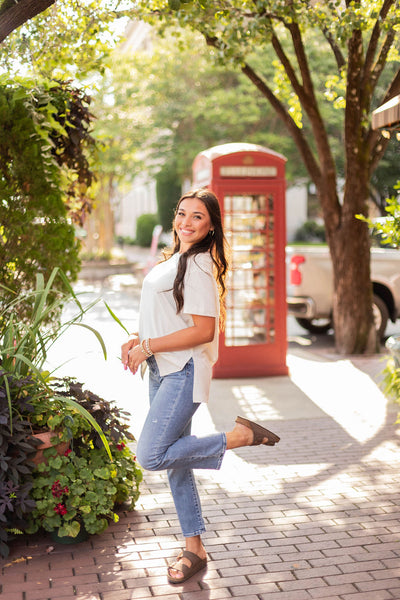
<point x="310" y="286"/>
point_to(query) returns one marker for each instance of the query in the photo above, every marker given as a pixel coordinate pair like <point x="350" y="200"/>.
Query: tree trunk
<point x="350" y="251"/>
<point x="350" y="243"/>
<point x="99" y="224"/>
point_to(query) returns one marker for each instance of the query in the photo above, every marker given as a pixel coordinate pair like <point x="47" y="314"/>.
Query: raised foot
<point x="261" y="435"/>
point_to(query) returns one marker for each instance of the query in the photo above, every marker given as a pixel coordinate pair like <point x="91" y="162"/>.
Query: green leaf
<point x="70" y="529"/>
<point x="56" y="462"/>
<point x="116" y="319"/>
<point x="103" y="473"/>
<point x="97" y="334"/>
<point x="78" y="490"/>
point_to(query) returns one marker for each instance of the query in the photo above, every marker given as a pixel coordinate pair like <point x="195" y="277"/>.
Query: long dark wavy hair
<point x="214" y="243"/>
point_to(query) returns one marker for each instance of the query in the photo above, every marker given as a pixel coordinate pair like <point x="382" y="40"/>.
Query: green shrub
<point x="82" y="486"/>
<point x="44" y="179"/>
<point x="33" y="401"/>
<point x="125" y="239"/>
<point x="310" y="231"/>
<point x="144" y="229"/>
<point x="168" y="190"/>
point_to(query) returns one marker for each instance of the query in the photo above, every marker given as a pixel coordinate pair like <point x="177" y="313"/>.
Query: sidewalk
<point x="317" y="516"/>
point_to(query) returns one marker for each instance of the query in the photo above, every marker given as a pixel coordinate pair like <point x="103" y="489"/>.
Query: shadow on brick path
<point x="317" y="516"/>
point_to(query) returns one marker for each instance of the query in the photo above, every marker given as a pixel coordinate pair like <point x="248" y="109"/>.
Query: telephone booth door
<point x="250" y="185"/>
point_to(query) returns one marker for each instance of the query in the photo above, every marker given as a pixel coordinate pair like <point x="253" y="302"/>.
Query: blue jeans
<point x="166" y="442"/>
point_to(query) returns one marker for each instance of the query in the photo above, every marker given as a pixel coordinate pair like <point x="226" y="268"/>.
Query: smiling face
<point x="192" y="222"/>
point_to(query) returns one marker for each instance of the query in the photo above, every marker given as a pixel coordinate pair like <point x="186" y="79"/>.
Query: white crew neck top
<point x="158" y="316"/>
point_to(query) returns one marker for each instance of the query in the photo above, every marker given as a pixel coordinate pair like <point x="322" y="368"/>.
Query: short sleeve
<point x="200" y="294"/>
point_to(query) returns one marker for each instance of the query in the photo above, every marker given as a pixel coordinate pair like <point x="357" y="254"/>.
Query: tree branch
<point x="354" y="106"/>
<point x="380" y="63"/>
<point x="338" y="54"/>
<point x="379" y="145"/>
<point x="301" y="142"/>
<point x="311" y="164"/>
<point x="371" y="72"/>
<point x="374" y="39"/>
<point x="394" y="87"/>
<point x="290" y="72"/>
<point x="306" y="95"/>
<point x="15" y="14"/>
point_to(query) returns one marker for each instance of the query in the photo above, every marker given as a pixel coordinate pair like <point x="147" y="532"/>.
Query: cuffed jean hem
<point x="224" y="445"/>
<point x="199" y="532"/>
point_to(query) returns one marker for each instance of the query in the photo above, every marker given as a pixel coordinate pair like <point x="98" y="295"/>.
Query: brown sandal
<point x="259" y="433"/>
<point x="197" y="564"/>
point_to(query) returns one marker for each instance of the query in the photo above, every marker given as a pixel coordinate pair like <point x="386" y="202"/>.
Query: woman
<point x="178" y="336"/>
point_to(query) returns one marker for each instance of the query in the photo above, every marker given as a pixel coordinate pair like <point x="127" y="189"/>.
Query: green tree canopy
<point x="63" y="39"/>
<point x="157" y="109"/>
<point x="163" y="107"/>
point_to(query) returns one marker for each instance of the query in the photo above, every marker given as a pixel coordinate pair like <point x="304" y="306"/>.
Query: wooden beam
<point x="387" y="115"/>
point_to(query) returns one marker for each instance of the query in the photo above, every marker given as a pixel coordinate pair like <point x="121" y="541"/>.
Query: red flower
<point x="68" y="451"/>
<point x="60" y="509"/>
<point x="56" y="489"/>
<point x="120" y="446"/>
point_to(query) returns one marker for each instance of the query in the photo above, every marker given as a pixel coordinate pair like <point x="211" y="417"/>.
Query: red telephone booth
<point x="249" y="181"/>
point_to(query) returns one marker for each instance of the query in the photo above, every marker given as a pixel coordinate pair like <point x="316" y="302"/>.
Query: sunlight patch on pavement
<point x="254" y="403"/>
<point x="344" y="392"/>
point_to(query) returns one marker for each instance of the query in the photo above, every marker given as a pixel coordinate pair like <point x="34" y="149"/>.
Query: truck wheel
<point x="381" y="315"/>
<point x="315" y="325"/>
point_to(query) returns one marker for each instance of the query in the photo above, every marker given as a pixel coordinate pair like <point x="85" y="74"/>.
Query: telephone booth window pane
<point x="249" y="228"/>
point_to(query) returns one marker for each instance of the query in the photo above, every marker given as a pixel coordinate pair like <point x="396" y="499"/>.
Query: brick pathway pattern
<point x="317" y="516"/>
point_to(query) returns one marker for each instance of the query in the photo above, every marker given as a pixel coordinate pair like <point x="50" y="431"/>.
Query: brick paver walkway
<point x="315" y="517"/>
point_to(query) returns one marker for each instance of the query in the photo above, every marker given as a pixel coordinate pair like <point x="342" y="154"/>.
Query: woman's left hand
<point x="133" y="341"/>
<point x="135" y="358"/>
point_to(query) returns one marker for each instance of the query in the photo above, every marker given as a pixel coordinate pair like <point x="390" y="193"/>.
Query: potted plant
<point x="72" y="492"/>
<point x="113" y="422"/>
<point x="97" y="440"/>
<point x="80" y="490"/>
<point x="79" y="493"/>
